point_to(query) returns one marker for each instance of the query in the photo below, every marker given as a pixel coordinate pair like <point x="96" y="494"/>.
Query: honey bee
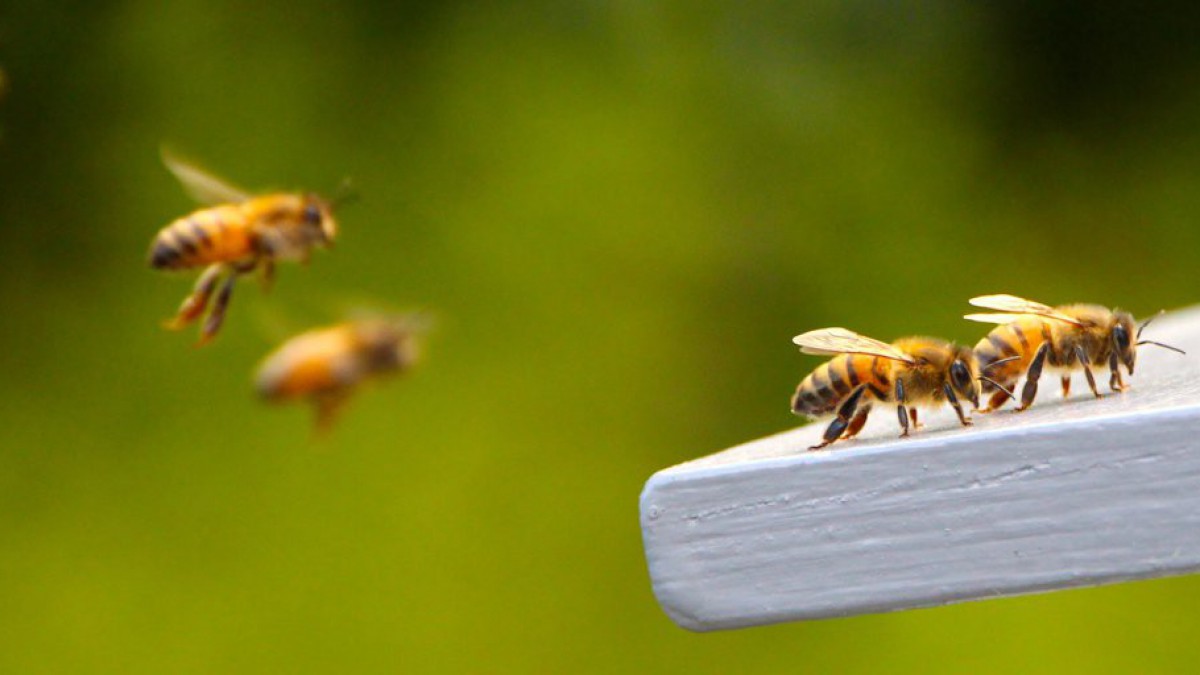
<point x="1067" y="338"/>
<point x="234" y="235"/>
<point x="327" y="364"/>
<point x="912" y="371"/>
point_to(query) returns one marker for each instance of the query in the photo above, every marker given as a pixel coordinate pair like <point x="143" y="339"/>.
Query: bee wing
<point x="200" y="184"/>
<point x="828" y="341"/>
<point x="1011" y="306"/>
<point x="994" y="318"/>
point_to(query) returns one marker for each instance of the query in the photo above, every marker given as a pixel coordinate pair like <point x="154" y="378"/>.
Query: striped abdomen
<point x="824" y="388"/>
<point x="1020" y="338"/>
<point x="218" y="234"/>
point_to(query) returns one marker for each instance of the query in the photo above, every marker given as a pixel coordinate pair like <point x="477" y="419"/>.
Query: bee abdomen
<point x="1006" y="341"/>
<point x="163" y="255"/>
<point x="199" y="239"/>
<point x="183" y="243"/>
<point x="820" y="392"/>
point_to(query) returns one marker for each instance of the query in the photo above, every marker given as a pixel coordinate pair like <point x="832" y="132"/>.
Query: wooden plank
<point x="1067" y="494"/>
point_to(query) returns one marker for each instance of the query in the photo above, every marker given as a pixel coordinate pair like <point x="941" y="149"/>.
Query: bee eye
<point x="960" y="375"/>
<point x="312" y="214"/>
<point x="1120" y="337"/>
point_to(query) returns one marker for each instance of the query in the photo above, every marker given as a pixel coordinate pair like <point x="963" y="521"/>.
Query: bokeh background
<point x="621" y="212"/>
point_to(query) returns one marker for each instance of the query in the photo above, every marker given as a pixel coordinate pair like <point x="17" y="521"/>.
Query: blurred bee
<point x="236" y="234"/>
<point x="912" y="371"/>
<point x="326" y="365"/>
<point x="1067" y="338"/>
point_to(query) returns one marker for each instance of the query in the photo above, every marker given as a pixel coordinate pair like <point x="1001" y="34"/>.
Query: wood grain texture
<point x="1068" y="494"/>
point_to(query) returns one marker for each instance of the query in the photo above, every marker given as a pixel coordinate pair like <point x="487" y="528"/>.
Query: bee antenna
<point x="1159" y="344"/>
<point x="345" y="194"/>
<point x="1145" y="323"/>
<point x="993" y="364"/>
<point x="985" y="378"/>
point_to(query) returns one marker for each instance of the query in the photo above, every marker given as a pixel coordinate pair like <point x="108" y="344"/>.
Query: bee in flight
<point x="235" y="234"/>
<point x="913" y="371"/>
<point x="327" y="364"/>
<point x="1032" y="336"/>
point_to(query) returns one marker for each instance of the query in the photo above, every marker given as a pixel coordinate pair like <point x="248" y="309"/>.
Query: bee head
<point x="318" y="214"/>
<point x="1123" y="340"/>
<point x="1125" y="346"/>
<point x="393" y="343"/>
<point x="964" y="377"/>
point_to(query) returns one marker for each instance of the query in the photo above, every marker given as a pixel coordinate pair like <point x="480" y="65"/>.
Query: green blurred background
<point x="621" y="213"/>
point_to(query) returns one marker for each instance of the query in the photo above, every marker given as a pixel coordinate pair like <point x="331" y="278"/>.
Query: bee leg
<point x="953" y="399"/>
<point x="1031" y="377"/>
<point x="217" y="316"/>
<point x="1115" y="383"/>
<point x="328" y="405"/>
<point x="1087" y="370"/>
<point x="266" y="274"/>
<point x="856" y="424"/>
<point x="998" y="399"/>
<point x="912" y="414"/>
<point x="840" y="423"/>
<point x="194" y="304"/>
<point x="901" y="412"/>
<point x="1066" y="384"/>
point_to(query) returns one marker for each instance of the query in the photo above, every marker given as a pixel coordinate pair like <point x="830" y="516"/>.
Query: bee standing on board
<point x="235" y="235"/>
<point x="913" y="371"/>
<point x="327" y="364"/>
<point x="1066" y="338"/>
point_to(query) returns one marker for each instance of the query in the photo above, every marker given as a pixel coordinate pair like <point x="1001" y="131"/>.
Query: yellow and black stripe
<point x="831" y="382"/>
<point x="1019" y="338"/>
<point x="206" y="236"/>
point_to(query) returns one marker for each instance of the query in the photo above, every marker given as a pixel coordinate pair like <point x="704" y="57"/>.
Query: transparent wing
<point x="828" y="341"/>
<point x="994" y="318"/>
<point x="1012" y="305"/>
<point x="200" y="184"/>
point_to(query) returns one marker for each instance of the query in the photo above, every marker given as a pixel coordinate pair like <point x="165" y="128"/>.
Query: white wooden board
<point x="1067" y="494"/>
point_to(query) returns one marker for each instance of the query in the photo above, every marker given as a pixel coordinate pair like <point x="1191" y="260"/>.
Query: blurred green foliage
<point x="621" y="212"/>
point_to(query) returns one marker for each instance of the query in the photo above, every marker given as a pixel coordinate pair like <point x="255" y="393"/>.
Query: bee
<point x="912" y="371"/>
<point x="234" y="235"/>
<point x="327" y="364"/>
<point x="1067" y="339"/>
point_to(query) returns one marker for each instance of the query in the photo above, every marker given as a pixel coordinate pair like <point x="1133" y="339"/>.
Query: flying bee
<point x="1067" y="339"/>
<point x="327" y="364"/>
<point x="912" y="371"/>
<point x="235" y="234"/>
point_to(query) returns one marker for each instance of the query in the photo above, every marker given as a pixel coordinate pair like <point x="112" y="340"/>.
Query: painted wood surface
<point x="1067" y="494"/>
